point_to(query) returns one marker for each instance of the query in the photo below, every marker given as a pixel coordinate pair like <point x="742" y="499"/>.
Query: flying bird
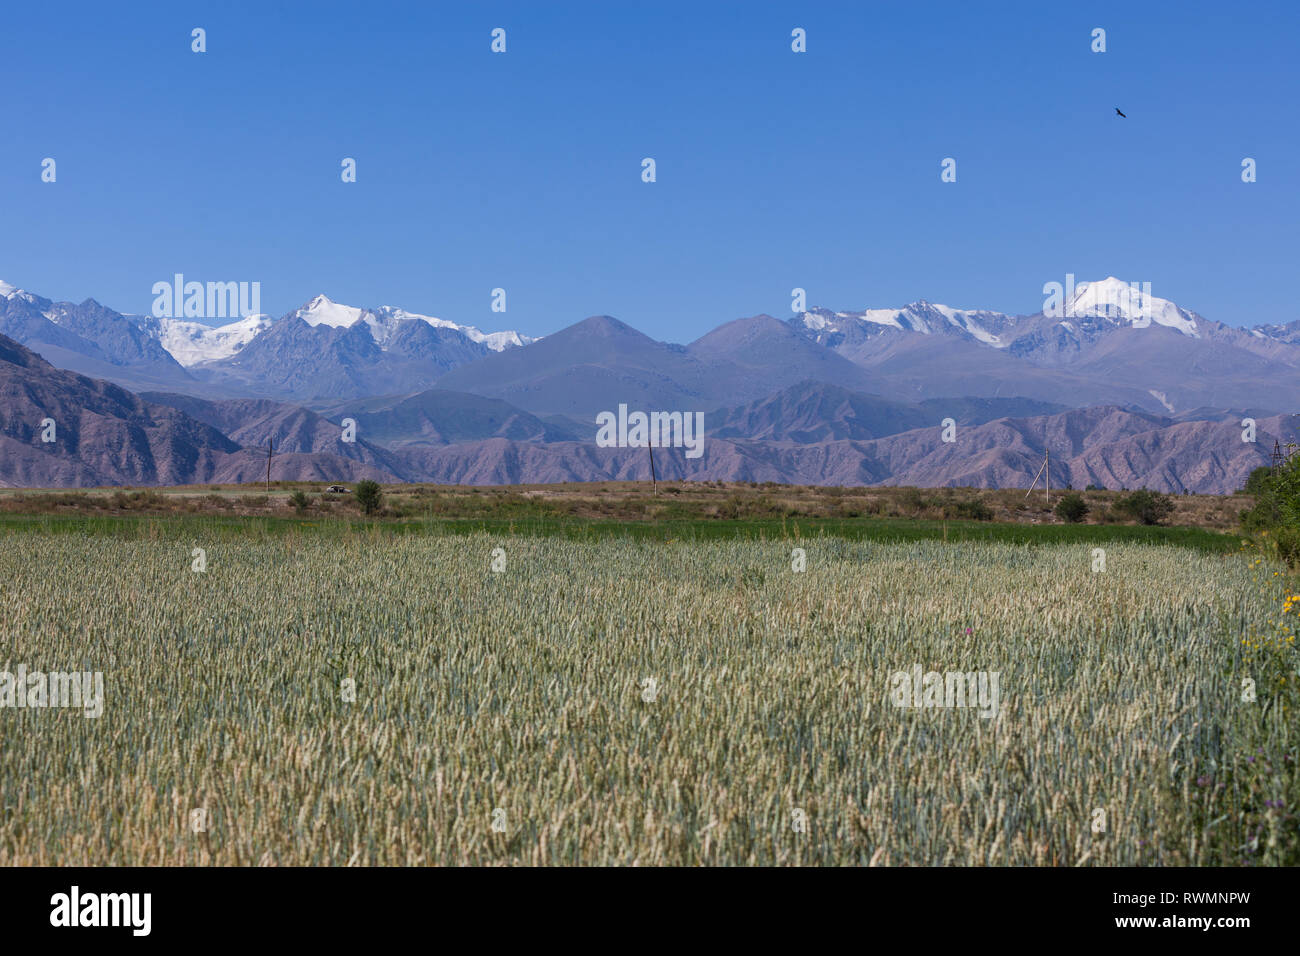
<point x="1118" y="111"/>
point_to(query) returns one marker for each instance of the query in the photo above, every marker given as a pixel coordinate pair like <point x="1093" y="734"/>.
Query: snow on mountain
<point x="193" y="343"/>
<point x="1118" y="301"/>
<point x="920" y="316"/>
<point x="385" y="320"/>
<point x="9" y="292"/>
<point x="1111" y="301"/>
<point x="969" y="322"/>
<point x="1162" y="398"/>
<point x="321" y="311"/>
<point x="498" y="341"/>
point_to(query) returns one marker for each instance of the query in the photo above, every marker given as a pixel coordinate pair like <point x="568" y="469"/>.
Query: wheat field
<point x="367" y="698"/>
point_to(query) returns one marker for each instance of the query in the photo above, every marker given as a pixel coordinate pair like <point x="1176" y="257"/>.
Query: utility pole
<point x="270" y="444"/>
<point x="1047" y="478"/>
<point x="654" y="480"/>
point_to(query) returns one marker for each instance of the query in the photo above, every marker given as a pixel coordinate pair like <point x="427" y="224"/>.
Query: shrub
<point x="137" y="500"/>
<point x="733" y="507"/>
<point x="1257" y="483"/>
<point x="974" y="510"/>
<point x="912" y="501"/>
<point x="1072" y="508"/>
<point x="300" y="501"/>
<point x="1277" y="507"/>
<point x="1145" y="506"/>
<point x="368" y="495"/>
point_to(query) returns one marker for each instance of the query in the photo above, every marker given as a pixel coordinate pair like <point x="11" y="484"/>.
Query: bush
<point x="1072" y="508"/>
<point x="733" y="507"/>
<point x="1287" y="542"/>
<point x="137" y="500"/>
<point x="1145" y="506"/>
<point x="1257" y="483"/>
<point x="975" y="510"/>
<point x="300" y="501"/>
<point x="1277" y="508"/>
<point x="368" y="495"/>
<point x="912" y="501"/>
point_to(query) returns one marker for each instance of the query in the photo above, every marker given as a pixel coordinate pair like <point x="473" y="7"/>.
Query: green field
<point x="880" y="530"/>
<point x="523" y="696"/>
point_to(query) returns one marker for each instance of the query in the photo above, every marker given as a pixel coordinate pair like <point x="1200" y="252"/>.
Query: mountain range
<point x="1124" y="389"/>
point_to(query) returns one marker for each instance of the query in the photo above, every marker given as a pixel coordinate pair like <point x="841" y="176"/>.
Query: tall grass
<point x="523" y="691"/>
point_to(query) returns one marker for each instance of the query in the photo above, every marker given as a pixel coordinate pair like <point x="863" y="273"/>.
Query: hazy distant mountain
<point x="810" y="434"/>
<point x="754" y="356"/>
<point x="582" y="369"/>
<point x="296" y="360"/>
<point x="385" y="322"/>
<point x="1126" y="449"/>
<point x="322" y="350"/>
<point x="600" y="362"/>
<point x="1124" y="388"/>
<point x="193" y="343"/>
<point x="87" y="338"/>
<point x="443" y="417"/>
<point x="289" y="429"/>
<point x="105" y="435"/>
<point x="1105" y="344"/>
<point x="326" y="351"/>
<point x="812" y="412"/>
<point x="1108" y="344"/>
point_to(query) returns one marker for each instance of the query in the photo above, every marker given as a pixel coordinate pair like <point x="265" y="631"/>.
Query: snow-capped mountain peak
<point x="6" y="290"/>
<point x="321" y="311"/>
<point x="193" y="343"/>
<point x="1109" y="302"/>
<point x="1121" y="302"/>
<point x="919" y="316"/>
<point x="383" y="321"/>
<point x="969" y="322"/>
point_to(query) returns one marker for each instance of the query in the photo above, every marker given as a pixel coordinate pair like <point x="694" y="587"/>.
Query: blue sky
<point x="775" y="169"/>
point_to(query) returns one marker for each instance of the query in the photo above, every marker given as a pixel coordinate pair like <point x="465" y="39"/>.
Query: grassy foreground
<point x="210" y="527"/>
<point x="608" y="700"/>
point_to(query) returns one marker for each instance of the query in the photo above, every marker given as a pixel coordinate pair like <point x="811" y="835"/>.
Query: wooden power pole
<point x="1045" y="471"/>
<point x="653" y="479"/>
<point x="270" y="445"/>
